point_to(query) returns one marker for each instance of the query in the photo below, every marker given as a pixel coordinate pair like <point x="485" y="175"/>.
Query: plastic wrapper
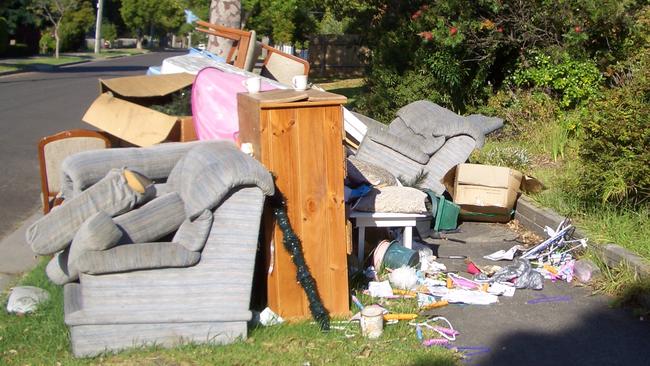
<point x="521" y="272"/>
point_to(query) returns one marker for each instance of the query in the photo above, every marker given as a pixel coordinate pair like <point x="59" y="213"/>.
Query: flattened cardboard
<point x="145" y="86"/>
<point x="133" y="123"/>
<point x="115" y="112"/>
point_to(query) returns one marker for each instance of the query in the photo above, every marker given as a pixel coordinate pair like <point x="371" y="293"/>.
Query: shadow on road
<point x="81" y="71"/>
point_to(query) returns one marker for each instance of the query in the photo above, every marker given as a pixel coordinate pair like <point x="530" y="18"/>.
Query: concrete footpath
<point x="16" y="257"/>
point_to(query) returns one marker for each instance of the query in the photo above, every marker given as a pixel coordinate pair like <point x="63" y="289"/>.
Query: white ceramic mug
<point x="253" y="85"/>
<point x="299" y="82"/>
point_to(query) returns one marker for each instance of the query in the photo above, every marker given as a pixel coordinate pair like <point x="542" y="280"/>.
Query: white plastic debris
<point x="585" y="270"/>
<point x="404" y="278"/>
<point x="500" y="255"/>
<point x="25" y="299"/>
<point x="470" y="297"/>
<point x="267" y="318"/>
<point x="380" y="289"/>
<point x="501" y="289"/>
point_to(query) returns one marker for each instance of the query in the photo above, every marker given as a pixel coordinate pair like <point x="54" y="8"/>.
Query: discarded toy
<point x="545" y="299"/>
<point x="404" y="278"/>
<point x="435" y="305"/>
<point x="397" y="316"/>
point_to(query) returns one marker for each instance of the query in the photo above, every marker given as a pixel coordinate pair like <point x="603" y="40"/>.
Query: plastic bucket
<point x="398" y="255"/>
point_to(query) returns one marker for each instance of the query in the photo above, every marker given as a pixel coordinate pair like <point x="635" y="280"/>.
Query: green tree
<point x="53" y="11"/>
<point x="143" y="15"/>
<point x="285" y="21"/>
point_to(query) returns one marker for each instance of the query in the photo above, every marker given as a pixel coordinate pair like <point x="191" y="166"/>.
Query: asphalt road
<point x="37" y="104"/>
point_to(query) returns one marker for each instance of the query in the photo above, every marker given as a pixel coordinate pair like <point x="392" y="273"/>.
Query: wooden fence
<point x="336" y="56"/>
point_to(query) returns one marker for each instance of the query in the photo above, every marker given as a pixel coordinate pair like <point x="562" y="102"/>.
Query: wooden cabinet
<point x="300" y="142"/>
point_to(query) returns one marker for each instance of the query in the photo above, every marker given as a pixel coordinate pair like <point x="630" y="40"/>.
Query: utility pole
<point x="98" y="26"/>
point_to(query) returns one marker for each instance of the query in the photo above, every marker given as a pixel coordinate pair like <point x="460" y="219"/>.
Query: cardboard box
<point x="122" y="109"/>
<point x="484" y="192"/>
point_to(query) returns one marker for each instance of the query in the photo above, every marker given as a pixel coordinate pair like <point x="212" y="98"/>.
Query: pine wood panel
<point x="301" y="143"/>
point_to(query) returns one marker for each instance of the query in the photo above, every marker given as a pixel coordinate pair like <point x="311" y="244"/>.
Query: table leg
<point x="408" y="237"/>
<point x="362" y="243"/>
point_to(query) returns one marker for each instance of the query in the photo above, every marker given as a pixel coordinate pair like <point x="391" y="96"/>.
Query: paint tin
<point x="372" y="321"/>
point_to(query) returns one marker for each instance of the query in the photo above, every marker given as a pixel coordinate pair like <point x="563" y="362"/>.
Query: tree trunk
<point x="226" y="13"/>
<point x="138" y="40"/>
<point x="57" y="42"/>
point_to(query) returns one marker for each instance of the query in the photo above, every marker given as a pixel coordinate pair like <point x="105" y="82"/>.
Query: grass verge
<point x="42" y="338"/>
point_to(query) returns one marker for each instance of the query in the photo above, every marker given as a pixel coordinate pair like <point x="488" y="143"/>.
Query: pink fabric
<point x="214" y="103"/>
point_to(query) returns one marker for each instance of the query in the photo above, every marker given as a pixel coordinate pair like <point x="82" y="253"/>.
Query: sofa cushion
<point x="152" y="221"/>
<point x="428" y="119"/>
<point x="57" y="268"/>
<point x="140" y="256"/>
<point x="394" y="200"/>
<point x="193" y="233"/>
<point x="406" y="147"/>
<point x="360" y="172"/>
<point x="54" y="231"/>
<point x="99" y="232"/>
<point x="428" y="144"/>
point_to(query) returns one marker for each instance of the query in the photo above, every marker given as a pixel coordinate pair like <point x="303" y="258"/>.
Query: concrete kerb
<point x="17" y="256"/>
<point x="536" y="218"/>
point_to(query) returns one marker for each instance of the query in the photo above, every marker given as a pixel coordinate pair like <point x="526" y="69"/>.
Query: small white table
<point x="385" y="219"/>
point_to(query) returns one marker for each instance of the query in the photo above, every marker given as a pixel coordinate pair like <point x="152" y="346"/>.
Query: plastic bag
<point x="25" y="299"/>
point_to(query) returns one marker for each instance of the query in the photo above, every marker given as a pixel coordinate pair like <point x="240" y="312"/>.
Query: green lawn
<point x="42" y="339"/>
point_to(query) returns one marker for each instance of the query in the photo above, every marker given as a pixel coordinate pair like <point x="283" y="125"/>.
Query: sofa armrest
<point x="80" y="171"/>
<point x="133" y="257"/>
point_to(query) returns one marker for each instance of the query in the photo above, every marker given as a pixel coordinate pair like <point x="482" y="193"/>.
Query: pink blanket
<point x="214" y="103"/>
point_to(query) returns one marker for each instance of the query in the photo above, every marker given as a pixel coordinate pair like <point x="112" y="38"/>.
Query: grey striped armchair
<point x="137" y="284"/>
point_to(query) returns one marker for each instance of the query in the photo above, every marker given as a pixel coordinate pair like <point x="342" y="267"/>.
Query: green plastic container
<point x="398" y="255"/>
<point x="446" y="213"/>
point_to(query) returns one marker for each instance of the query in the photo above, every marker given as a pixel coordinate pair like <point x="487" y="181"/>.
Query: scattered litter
<point x="429" y="265"/>
<point x="403" y="278"/>
<point x="380" y="289"/>
<point x="502" y="289"/>
<point x="472" y="268"/>
<point x="372" y="322"/>
<point x="470" y="297"/>
<point x="472" y="351"/>
<point x="500" y="255"/>
<point x="541" y="298"/>
<point x="435" y="342"/>
<point x="456" y="281"/>
<point x="447" y="332"/>
<point x="267" y="318"/>
<point x="25" y="299"/>
<point x="521" y="272"/>
<point x="585" y="270"/>
<point x="400" y="316"/>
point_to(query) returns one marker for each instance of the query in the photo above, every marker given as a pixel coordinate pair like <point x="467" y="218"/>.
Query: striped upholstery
<point x="82" y="170"/>
<point x="54" y="231"/>
<point x="163" y="306"/>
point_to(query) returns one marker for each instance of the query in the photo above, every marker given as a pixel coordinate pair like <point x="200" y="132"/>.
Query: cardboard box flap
<point x="146" y="85"/>
<point x="138" y="125"/>
<point x="488" y="176"/>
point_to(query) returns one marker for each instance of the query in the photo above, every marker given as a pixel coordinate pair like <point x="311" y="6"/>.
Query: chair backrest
<point x="53" y="149"/>
<point x="282" y="66"/>
<point x="238" y="54"/>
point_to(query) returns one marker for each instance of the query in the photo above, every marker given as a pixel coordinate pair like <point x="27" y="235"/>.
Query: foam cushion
<point x="57" y="268"/>
<point x="394" y="200"/>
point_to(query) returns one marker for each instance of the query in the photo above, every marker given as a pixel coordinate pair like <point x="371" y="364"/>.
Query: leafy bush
<point x="109" y="31"/>
<point x="616" y="146"/>
<point x="47" y="43"/>
<point x="573" y="81"/>
<point x="4" y="36"/>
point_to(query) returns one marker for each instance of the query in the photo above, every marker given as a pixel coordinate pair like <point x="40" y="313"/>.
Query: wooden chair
<point x="282" y="66"/>
<point x="243" y="41"/>
<point x="51" y="152"/>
